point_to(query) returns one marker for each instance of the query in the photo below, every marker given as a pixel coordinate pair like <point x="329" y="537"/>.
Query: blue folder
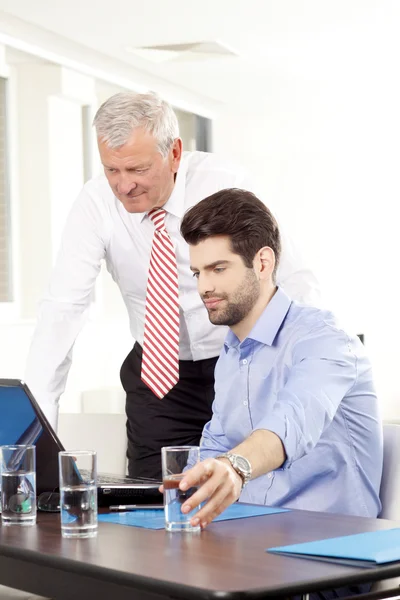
<point x="362" y="549"/>
<point x="154" y="519"/>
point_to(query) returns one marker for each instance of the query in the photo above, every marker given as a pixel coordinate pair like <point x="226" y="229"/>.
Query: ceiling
<point x="274" y="39"/>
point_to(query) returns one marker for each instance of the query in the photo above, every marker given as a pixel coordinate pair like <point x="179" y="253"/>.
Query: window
<point x="203" y="134"/>
<point x="88" y="141"/>
<point x="5" y="238"/>
<point x="194" y="130"/>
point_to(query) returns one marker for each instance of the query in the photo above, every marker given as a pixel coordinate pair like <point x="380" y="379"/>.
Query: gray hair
<point x="118" y="116"/>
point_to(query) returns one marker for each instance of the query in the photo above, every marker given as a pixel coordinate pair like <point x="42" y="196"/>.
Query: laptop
<point x="23" y="422"/>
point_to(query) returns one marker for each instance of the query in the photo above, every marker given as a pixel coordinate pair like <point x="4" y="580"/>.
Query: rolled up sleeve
<point x="214" y="440"/>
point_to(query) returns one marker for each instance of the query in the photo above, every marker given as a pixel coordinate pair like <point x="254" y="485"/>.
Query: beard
<point x="239" y="304"/>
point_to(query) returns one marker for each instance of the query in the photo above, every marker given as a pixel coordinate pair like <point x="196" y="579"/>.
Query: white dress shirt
<point x="99" y="227"/>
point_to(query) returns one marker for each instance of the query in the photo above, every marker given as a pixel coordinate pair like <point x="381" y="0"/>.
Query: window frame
<point x="9" y="309"/>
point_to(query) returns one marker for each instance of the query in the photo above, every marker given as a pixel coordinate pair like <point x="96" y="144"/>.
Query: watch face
<point x="243" y="464"/>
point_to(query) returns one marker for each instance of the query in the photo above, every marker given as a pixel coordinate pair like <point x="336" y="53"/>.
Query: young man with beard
<point x="295" y="417"/>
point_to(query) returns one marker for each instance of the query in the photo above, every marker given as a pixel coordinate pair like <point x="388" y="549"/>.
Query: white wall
<point x="325" y="150"/>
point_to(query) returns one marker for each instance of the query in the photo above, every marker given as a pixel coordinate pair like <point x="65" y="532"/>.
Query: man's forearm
<point x="220" y="484"/>
<point x="264" y="450"/>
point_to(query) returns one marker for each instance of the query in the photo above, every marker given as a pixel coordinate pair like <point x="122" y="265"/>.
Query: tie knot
<point x="157" y="215"/>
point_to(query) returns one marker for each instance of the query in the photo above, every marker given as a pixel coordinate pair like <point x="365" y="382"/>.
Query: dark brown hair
<point x="238" y="214"/>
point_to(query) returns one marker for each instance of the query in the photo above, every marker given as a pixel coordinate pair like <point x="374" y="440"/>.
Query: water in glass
<point x="18" y="498"/>
<point x="79" y="511"/>
<point x="174" y="498"/>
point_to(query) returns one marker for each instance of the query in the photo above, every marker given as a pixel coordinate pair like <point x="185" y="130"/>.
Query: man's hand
<point x="220" y="486"/>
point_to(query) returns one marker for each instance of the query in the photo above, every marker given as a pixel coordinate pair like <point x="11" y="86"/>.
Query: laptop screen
<point x="21" y="422"/>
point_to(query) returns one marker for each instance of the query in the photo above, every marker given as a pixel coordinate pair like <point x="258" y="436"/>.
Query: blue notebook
<point x="154" y="519"/>
<point x="362" y="549"/>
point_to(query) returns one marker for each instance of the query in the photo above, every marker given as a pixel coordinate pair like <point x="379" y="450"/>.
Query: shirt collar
<point x="269" y="323"/>
<point x="175" y="204"/>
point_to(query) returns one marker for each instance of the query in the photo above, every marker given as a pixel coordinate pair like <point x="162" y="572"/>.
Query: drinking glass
<point x="78" y="493"/>
<point x="176" y="460"/>
<point x="18" y="485"/>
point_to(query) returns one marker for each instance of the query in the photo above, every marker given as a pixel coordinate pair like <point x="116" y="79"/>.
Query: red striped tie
<point x="160" y="360"/>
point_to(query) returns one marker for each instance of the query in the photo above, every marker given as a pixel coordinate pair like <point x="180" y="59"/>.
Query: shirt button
<point x="244" y="362"/>
<point x="245" y="403"/>
<point x="269" y="475"/>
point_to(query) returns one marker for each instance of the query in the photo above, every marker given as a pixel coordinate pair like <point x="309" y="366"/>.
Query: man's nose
<point x="125" y="184"/>
<point x="204" y="285"/>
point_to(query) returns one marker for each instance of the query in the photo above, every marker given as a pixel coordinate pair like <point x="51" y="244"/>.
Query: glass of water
<point x="176" y="460"/>
<point x="18" y="485"/>
<point x="78" y="493"/>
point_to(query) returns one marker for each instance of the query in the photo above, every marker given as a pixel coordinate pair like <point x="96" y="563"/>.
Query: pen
<point x="136" y="507"/>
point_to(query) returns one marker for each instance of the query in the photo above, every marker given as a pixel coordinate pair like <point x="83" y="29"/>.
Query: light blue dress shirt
<point x="301" y="376"/>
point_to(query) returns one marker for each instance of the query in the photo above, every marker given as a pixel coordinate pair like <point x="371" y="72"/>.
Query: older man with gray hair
<point x="131" y="218"/>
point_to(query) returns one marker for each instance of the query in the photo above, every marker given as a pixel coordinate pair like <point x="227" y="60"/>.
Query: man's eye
<point x="111" y="170"/>
<point x="196" y="275"/>
<point x="219" y="269"/>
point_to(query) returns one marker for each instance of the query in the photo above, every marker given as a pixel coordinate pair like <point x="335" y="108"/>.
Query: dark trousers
<point x="176" y="420"/>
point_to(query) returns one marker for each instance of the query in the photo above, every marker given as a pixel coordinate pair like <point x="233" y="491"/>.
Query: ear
<point x="264" y="263"/>
<point x="176" y="154"/>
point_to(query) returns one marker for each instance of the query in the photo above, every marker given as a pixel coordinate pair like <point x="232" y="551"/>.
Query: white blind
<point x="5" y="275"/>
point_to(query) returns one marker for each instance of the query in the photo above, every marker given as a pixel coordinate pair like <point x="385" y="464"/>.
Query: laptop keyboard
<point x="115" y="479"/>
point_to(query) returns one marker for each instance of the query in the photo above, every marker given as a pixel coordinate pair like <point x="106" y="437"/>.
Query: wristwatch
<point x="241" y="465"/>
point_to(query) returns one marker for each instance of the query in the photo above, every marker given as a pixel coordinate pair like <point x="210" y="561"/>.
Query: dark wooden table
<point x="227" y="560"/>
